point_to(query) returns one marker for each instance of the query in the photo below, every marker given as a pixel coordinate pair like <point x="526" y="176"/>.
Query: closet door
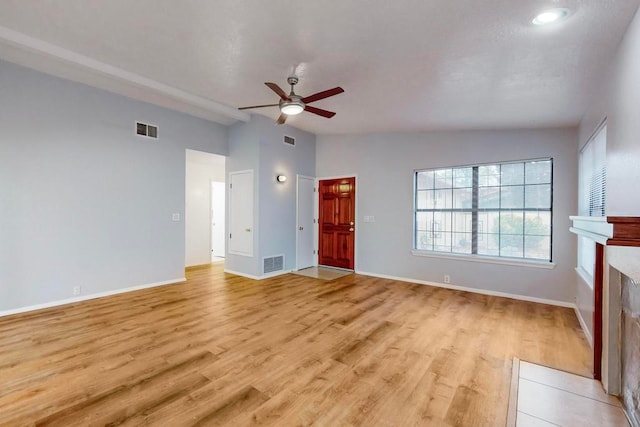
<point x="241" y="216"/>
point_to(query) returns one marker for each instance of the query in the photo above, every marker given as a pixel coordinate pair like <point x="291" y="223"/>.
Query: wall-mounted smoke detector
<point x="145" y="129"/>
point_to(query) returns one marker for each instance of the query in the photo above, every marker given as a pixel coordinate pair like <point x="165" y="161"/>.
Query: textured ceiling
<point x="405" y="65"/>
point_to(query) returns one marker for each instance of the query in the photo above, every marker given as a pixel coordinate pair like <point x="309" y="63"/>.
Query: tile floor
<point x="548" y="397"/>
<point x="322" y="273"/>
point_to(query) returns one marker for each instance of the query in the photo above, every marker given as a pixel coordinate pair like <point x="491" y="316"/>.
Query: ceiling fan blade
<point x="274" y="87"/>
<point x="319" y="111"/>
<point x="258" y="106"/>
<point x="282" y="119"/>
<point x="322" y="95"/>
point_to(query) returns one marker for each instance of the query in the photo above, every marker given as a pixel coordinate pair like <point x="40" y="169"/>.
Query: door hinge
<point x="230" y="186"/>
<point x="229" y="235"/>
<point x="314" y="251"/>
<point x="314" y="189"/>
<point x="314" y="220"/>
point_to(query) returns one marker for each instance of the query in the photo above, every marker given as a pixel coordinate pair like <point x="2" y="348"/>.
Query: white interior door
<point x="305" y="229"/>
<point x="217" y="219"/>
<point x="241" y="213"/>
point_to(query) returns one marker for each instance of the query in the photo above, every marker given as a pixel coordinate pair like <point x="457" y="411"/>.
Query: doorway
<point x="337" y="226"/>
<point x="201" y="171"/>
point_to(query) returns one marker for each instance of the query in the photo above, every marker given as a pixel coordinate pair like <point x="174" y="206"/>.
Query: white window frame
<point x="474" y="256"/>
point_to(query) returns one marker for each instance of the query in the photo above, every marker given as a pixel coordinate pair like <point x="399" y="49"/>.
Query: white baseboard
<point x="583" y="325"/>
<point x="264" y="276"/>
<point x="88" y="297"/>
<point x="474" y="290"/>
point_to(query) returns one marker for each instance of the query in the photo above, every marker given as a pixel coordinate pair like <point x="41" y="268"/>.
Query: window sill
<point x="488" y="260"/>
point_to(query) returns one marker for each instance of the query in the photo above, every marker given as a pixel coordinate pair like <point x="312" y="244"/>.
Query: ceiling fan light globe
<point x="291" y="109"/>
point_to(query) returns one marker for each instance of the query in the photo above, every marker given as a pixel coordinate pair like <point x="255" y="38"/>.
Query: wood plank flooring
<point x="225" y="350"/>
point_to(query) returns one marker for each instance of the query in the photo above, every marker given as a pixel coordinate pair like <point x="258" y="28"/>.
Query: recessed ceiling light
<point x="550" y="16"/>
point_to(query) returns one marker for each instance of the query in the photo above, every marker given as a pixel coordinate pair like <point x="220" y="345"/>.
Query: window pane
<point x="489" y="197"/>
<point x="424" y="241"/>
<point x="489" y="222"/>
<point x="512" y="223"/>
<point x="538" y="172"/>
<point x="512" y="197"/>
<point x="511" y="246"/>
<point x="462" y="198"/>
<point x="422" y="199"/>
<point x="443" y="178"/>
<point x="462" y="222"/>
<point x="512" y="174"/>
<point x="441" y="221"/>
<point x="442" y="199"/>
<point x="425" y="180"/>
<point x="538" y="196"/>
<point x="511" y="231"/>
<point x="423" y="221"/>
<point x="587" y="252"/>
<point x="442" y="242"/>
<point x="537" y="247"/>
<point x="463" y="177"/>
<point x="488" y="244"/>
<point x="489" y="175"/>
<point x="461" y="243"/>
<point x="537" y="223"/>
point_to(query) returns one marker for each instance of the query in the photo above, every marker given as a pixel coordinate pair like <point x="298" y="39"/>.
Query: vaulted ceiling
<point x="406" y="65"/>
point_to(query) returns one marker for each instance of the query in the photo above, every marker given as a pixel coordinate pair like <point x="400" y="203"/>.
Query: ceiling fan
<point x="293" y="104"/>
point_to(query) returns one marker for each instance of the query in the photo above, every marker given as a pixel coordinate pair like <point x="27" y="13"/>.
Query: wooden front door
<point x="337" y="222"/>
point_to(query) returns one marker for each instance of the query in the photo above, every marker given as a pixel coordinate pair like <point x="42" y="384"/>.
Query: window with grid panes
<point x="498" y="210"/>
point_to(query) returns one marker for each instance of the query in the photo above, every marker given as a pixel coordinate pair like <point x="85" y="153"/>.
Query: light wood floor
<point x="225" y="350"/>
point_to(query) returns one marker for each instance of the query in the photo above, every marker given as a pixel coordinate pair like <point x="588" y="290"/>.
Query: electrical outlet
<point x="447" y="278"/>
<point x="77" y="290"/>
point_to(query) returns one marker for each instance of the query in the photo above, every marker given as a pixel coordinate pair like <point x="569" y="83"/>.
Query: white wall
<point x="618" y="100"/>
<point x="384" y="164"/>
<point x="258" y="145"/>
<point x="201" y="169"/>
<point x="83" y="200"/>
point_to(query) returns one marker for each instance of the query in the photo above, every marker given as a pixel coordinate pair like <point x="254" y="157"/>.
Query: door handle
<point x="248" y="230"/>
<point x="300" y="228"/>
<point x="352" y="223"/>
<point x="351" y="229"/>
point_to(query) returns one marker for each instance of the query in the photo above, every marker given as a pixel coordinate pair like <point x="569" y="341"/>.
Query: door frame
<point x="314" y="211"/>
<point x="317" y="215"/>
<point x="224" y="225"/>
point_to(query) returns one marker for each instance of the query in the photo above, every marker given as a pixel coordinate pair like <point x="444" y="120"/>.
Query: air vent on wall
<point x="274" y="263"/>
<point x="144" y="129"/>
<point x="289" y="140"/>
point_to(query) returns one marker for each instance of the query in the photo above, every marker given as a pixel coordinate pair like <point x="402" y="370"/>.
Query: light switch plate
<point x="175" y="217"/>
<point x="369" y="218"/>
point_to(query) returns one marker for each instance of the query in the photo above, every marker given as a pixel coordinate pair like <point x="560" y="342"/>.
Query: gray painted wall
<point x="617" y="99"/>
<point x="259" y="145"/>
<point x="384" y="165"/>
<point x="84" y="201"/>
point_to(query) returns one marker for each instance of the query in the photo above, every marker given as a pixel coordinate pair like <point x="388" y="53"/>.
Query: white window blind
<point x="593" y="175"/>
<point x="593" y="184"/>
